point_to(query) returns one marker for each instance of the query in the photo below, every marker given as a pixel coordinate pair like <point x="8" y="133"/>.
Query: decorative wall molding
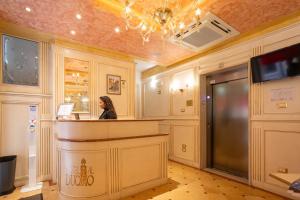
<point x="26" y="94"/>
<point x="97" y="82"/>
<point x="114" y="185"/>
<point x="257" y="154"/>
<point x="271" y="149"/>
<point x="122" y="166"/>
<point x="256" y="99"/>
<point x="281" y="27"/>
<point x="44" y="87"/>
<point x="186" y="132"/>
<point x="263" y="99"/>
<point x="45" y="151"/>
<point x="44" y="132"/>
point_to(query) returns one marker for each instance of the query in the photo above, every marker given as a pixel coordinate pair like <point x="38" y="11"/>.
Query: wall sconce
<point x="156" y="85"/>
<point x="123" y="83"/>
<point x="153" y="83"/>
<point x="174" y="85"/>
<point x="190" y="82"/>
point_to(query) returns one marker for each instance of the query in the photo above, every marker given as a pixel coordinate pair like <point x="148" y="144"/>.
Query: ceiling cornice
<point x="32" y="34"/>
<point x="259" y="31"/>
<point x="23" y="32"/>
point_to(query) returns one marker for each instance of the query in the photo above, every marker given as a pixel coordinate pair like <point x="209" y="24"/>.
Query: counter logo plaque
<point x="80" y="176"/>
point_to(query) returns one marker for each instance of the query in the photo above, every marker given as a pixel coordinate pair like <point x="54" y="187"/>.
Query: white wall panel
<point x="14" y="126"/>
<point x="156" y="99"/>
<point x="266" y="107"/>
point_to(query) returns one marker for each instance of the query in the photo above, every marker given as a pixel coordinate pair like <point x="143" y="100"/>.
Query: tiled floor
<point x="185" y="183"/>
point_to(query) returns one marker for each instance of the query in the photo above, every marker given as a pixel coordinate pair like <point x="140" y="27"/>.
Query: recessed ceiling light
<point x="28" y="9"/>
<point x="78" y="16"/>
<point x="117" y="29"/>
<point x="72" y="32"/>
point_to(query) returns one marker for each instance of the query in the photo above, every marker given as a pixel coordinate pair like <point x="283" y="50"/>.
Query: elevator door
<point x="230" y="127"/>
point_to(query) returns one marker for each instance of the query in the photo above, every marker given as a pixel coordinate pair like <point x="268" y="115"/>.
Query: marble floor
<point x="185" y="183"/>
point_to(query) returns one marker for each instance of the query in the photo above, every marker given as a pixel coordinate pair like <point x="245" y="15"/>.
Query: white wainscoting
<point x="264" y="157"/>
<point x="14" y="126"/>
<point x="184" y="139"/>
<point x="274" y="148"/>
<point x="13" y="137"/>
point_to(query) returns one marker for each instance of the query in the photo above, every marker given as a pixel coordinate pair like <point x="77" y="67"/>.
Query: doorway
<point x="227" y="121"/>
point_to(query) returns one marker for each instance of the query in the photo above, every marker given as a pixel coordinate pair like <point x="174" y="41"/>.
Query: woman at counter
<point x="109" y="110"/>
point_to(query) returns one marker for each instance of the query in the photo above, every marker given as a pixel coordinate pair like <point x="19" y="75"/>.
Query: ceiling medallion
<point x="165" y="16"/>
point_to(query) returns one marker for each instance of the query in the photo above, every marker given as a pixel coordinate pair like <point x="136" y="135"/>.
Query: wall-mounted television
<point x="276" y="65"/>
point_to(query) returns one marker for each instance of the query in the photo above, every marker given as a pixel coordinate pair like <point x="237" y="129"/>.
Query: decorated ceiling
<point x="99" y="18"/>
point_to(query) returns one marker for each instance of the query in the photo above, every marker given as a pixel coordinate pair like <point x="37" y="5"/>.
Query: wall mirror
<point x="20" y="61"/>
<point x="76" y="84"/>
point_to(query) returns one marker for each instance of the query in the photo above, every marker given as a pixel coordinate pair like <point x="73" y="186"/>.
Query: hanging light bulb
<point x="127" y="9"/>
<point x="144" y="27"/>
<point x="181" y="25"/>
<point x="198" y="12"/>
<point x="166" y="19"/>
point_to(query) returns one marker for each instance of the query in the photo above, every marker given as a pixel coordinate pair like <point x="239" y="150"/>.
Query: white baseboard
<point x="185" y="162"/>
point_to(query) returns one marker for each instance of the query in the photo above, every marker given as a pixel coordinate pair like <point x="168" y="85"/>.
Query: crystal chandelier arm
<point x="167" y="16"/>
<point x="129" y="2"/>
<point x="165" y="5"/>
<point x="130" y="25"/>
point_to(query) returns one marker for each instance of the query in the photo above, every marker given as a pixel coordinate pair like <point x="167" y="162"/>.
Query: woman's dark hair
<point x="108" y="104"/>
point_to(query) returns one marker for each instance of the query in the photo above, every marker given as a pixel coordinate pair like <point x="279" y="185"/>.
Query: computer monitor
<point x="65" y="109"/>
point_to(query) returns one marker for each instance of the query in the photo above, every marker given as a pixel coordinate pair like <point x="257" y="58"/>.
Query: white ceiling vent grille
<point x="208" y="32"/>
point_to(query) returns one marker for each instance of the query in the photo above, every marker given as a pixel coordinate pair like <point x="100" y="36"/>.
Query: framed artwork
<point x="113" y="84"/>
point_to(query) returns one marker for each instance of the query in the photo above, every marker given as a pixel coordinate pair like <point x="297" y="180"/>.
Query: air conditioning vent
<point x="208" y="32"/>
<point x="202" y="37"/>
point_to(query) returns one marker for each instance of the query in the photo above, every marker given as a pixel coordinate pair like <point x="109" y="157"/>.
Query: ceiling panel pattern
<point x="96" y="28"/>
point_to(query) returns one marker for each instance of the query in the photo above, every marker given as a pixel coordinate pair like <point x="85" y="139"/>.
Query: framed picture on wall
<point x="113" y="84"/>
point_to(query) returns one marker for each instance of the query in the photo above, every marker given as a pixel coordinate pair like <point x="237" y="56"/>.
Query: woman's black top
<point x="108" y="114"/>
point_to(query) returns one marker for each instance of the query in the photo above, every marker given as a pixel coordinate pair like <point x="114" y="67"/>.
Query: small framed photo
<point x="113" y="84"/>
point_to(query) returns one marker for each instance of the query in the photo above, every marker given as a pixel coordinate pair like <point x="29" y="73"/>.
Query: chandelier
<point x="165" y="16"/>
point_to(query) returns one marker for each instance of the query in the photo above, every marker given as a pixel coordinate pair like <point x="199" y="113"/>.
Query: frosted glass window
<point x="20" y="61"/>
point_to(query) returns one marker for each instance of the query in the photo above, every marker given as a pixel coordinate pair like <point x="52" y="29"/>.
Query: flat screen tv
<point x="276" y="65"/>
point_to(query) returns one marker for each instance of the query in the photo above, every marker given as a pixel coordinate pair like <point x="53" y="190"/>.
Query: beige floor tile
<point x="185" y="183"/>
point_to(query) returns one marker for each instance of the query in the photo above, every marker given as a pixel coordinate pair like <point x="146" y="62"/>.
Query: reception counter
<point x="109" y="159"/>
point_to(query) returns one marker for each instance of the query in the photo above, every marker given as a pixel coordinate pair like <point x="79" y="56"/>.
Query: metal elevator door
<point x="229" y="126"/>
